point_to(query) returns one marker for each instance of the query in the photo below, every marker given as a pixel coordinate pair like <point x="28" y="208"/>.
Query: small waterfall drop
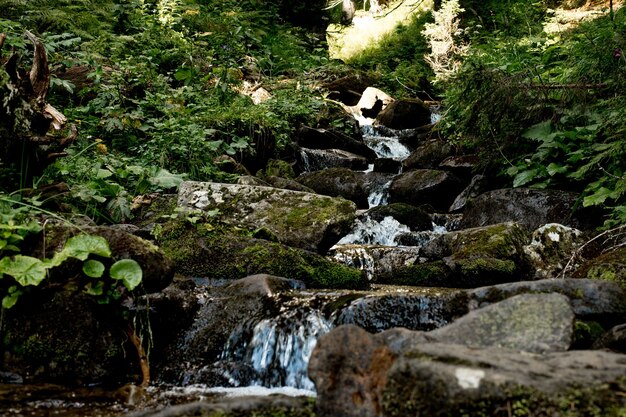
<point x="371" y="232"/>
<point x="379" y="196"/>
<point x="279" y="348"/>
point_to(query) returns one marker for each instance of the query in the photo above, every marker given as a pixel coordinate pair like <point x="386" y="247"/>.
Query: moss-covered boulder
<point x="551" y="248"/>
<point x="610" y="266"/>
<point x="471" y="258"/>
<point x="298" y="219"/>
<point x="205" y="250"/>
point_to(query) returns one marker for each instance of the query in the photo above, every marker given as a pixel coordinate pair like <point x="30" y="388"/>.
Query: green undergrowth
<point x="543" y="106"/>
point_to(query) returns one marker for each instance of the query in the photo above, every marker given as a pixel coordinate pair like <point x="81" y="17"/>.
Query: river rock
<point x="404" y="114"/>
<point x="530" y="322"/>
<point x="601" y="301"/>
<point x="202" y="251"/>
<point x="414" y="217"/>
<point x="318" y="159"/>
<point x="372" y="102"/>
<point x="529" y="207"/>
<point x="436" y="379"/>
<point x="387" y="165"/>
<point x="337" y="182"/>
<point x="349" y="368"/>
<point x="157" y="268"/>
<point x="460" y="165"/>
<point x="471" y="258"/>
<point x="347" y="89"/>
<point x="236" y="307"/>
<point x="609" y="266"/>
<point x="476" y="187"/>
<point x="378" y="261"/>
<point x="312" y="138"/>
<point x="297" y="219"/>
<point x="258" y="406"/>
<point x="424" y="309"/>
<point x="250" y="180"/>
<point x="428" y="155"/>
<point x="425" y="186"/>
<point x="551" y="248"/>
<point x="614" y="340"/>
<point x="287" y="184"/>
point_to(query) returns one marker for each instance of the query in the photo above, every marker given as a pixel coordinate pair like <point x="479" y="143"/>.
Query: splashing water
<point x="280" y="348"/>
<point x="372" y="232"/>
<point x="387" y="147"/>
<point x="379" y="196"/>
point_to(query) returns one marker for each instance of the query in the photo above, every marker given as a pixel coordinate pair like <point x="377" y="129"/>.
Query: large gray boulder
<point x="318" y="159"/>
<point x="312" y="138"/>
<point x="474" y="364"/>
<point x="428" y="155"/>
<point x="298" y="219"/>
<point x="530" y="207"/>
<point x="337" y="182"/>
<point x="425" y="186"/>
<point x="404" y="114"/>
<point x="437" y="379"/>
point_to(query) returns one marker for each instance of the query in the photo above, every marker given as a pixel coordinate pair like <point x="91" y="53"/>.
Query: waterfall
<point x="280" y="348"/>
<point x="356" y="257"/>
<point x="379" y="196"/>
<point x="372" y="232"/>
<point x="387" y="147"/>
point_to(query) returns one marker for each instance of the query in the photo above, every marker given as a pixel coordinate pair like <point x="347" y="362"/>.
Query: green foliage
<point x="544" y="108"/>
<point x="398" y="60"/>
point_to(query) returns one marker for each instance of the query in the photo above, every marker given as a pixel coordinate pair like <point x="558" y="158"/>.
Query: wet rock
<point x="229" y="165"/>
<point x="387" y="165"/>
<point x="266" y="406"/>
<point x="414" y="217"/>
<point x="425" y="186"/>
<point x="609" y="266"/>
<point x="461" y="165"/>
<point x="473" y="257"/>
<point x="600" y="301"/>
<point x="311" y="138"/>
<point x="202" y="251"/>
<point x="404" y="114"/>
<point x="298" y="219"/>
<point x="476" y="187"/>
<point x="157" y="269"/>
<point x="287" y="184"/>
<point x="250" y="180"/>
<point x="336" y="182"/>
<point x="428" y="155"/>
<point x="347" y="89"/>
<point x="529" y="207"/>
<point x="436" y="379"/>
<point x="551" y="247"/>
<point x="238" y="306"/>
<point x="425" y="310"/>
<point x="349" y="368"/>
<point x="372" y="102"/>
<point x="379" y="262"/>
<point x="614" y="340"/>
<point x="530" y="322"/>
<point x="63" y="335"/>
<point x="318" y="159"/>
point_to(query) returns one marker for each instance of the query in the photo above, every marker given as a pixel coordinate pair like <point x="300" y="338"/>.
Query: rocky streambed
<point x="370" y="274"/>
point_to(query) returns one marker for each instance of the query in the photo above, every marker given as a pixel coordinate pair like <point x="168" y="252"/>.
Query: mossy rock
<point x="204" y="250"/>
<point x="610" y="266"/>
<point x="62" y="335"/>
<point x="299" y="219"/>
<point x="429" y="274"/>
<point x="481" y="256"/>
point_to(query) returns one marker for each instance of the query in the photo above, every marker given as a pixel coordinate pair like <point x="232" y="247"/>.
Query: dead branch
<point x="39" y="72"/>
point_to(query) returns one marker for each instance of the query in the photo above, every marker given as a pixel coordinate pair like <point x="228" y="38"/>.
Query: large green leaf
<point x="524" y="177"/>
<point x="127" y="270"/>
<point x="25" y="269"/>
<point x="540" y="131"/>
<point x="82" y="246"/>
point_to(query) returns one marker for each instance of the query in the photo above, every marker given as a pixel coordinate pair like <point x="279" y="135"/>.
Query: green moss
<point x="277" y="168"/>
<point x="610" y="266"/>
<point x="586" y="333"/>
<point x="229" y="253"/>
<point x="430" y="274"/>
